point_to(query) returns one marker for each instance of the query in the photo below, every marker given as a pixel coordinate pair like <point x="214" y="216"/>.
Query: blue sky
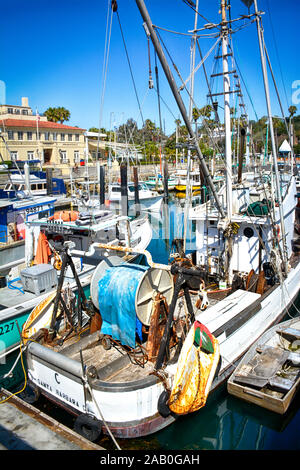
<point x="52" y="52"/>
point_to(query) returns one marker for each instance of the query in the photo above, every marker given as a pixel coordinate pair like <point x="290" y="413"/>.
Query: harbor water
<point x="225" y="423"/>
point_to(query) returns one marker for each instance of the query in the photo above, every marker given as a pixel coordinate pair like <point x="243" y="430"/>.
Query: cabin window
<point x="21" y="187"/>
<point x="131" y="188"/>
<point x="116" y="190"/>
<point x="40" y="186"/>
<point x="7" y="187"/>
<point x="33" y="187"/>
<point x="248" y="232"/>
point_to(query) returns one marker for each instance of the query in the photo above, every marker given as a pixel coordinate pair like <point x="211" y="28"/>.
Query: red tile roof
<point x="41" y="124"/>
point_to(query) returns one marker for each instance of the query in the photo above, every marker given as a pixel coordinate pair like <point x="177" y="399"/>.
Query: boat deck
<point x="113" y="365"/>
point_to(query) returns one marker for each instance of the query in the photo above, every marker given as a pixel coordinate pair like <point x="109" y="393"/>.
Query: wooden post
<point x="124" y="189"/>
<point x="49" y="180"/>
<point x="136" y="192"/>
<point x="102" y="186"/>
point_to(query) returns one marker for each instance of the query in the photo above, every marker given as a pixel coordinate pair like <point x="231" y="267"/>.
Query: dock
<point x="24" y="427"/>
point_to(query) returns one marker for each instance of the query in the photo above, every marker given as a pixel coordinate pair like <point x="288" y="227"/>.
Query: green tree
<point x="59" y="114"/>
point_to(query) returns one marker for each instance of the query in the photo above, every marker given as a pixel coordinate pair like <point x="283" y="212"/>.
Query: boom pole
<point x="178" y="99"/>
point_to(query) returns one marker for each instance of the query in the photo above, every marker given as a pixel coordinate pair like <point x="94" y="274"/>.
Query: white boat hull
<point x="131" y="409"/>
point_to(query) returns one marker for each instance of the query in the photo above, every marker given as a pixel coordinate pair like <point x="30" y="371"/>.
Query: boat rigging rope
<point x="86" y="383"/>
<point x="129" y="64"/>
<point x="20" y="355"/>
<point x="105" y="67"/>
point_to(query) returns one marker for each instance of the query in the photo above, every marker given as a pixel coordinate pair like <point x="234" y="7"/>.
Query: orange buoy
<point x="65" y="216"/>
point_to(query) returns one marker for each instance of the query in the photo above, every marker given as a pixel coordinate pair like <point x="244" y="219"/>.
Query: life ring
<point x="88" y="427"/>
<point x="65" y="216"/>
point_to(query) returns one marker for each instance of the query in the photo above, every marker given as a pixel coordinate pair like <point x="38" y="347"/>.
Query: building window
<point x="76" y="156"/>
<point x="29" y="135"/>
<point x="10" y="135"/>
<point x="77" y="137"/>
<point x="63" y="156"/>
<point x="10" y="110"/>
<point x="14" y="156"/>
<point x="47" y="135"/>
<point x="62" y="137"/>
<point x="70" y="137"/>
<point x="20" y="135"/>
<point x="30" y="155"/>
<point x="54" y="136"/>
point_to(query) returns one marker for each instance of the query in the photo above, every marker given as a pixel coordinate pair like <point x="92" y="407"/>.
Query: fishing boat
<point x="14" y="214"/>
<point x="120" y="364"/>
<point x="181" y="177"/>
<point x="174" y="333"/>
<point x="156" y="183"/>
<point x="24" y="198"/>
<point x="37" y="186"/>
<point x="32" y="281"/>
<point x="269" y="374"/>
<point x="149" y="200"/>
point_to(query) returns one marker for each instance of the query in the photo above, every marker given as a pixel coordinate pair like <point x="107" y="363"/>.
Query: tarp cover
<point x="117" y="292"/>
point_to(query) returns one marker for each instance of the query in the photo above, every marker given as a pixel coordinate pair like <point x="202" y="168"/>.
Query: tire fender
<point x="88" y="427"/>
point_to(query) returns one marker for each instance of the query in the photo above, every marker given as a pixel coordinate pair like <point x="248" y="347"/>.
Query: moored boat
<point x="269" y="373"/>
<point x="33" y="281"/>
<point x="156" y="183"/>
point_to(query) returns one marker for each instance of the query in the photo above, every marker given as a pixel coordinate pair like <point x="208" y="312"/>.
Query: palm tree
<point x="59" y="114"/>
<point x="292" y="111"/>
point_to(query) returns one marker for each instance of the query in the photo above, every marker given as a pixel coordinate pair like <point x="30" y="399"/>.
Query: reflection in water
<point x="226" y="423"/>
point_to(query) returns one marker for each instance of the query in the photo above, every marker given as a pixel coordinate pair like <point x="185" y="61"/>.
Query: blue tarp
<point x="117" y="292"/>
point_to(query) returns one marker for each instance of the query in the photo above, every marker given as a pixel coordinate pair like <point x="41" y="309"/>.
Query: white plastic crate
<point x="39" y="279"/>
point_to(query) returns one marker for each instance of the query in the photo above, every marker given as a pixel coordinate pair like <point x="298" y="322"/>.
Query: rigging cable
<point x="129" y="64"/>
<point x="104" y="69"/>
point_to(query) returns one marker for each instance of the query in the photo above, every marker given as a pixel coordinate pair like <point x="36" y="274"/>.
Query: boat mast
<point x="179" y="101"/>
<point x="226" y="87"/>
<point x="189" y="189"/>
<point x="271" y="129"/>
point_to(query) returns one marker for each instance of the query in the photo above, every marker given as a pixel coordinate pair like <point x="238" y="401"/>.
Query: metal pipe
<point x="123" y="249"/>
<point x="179" y="101"/>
